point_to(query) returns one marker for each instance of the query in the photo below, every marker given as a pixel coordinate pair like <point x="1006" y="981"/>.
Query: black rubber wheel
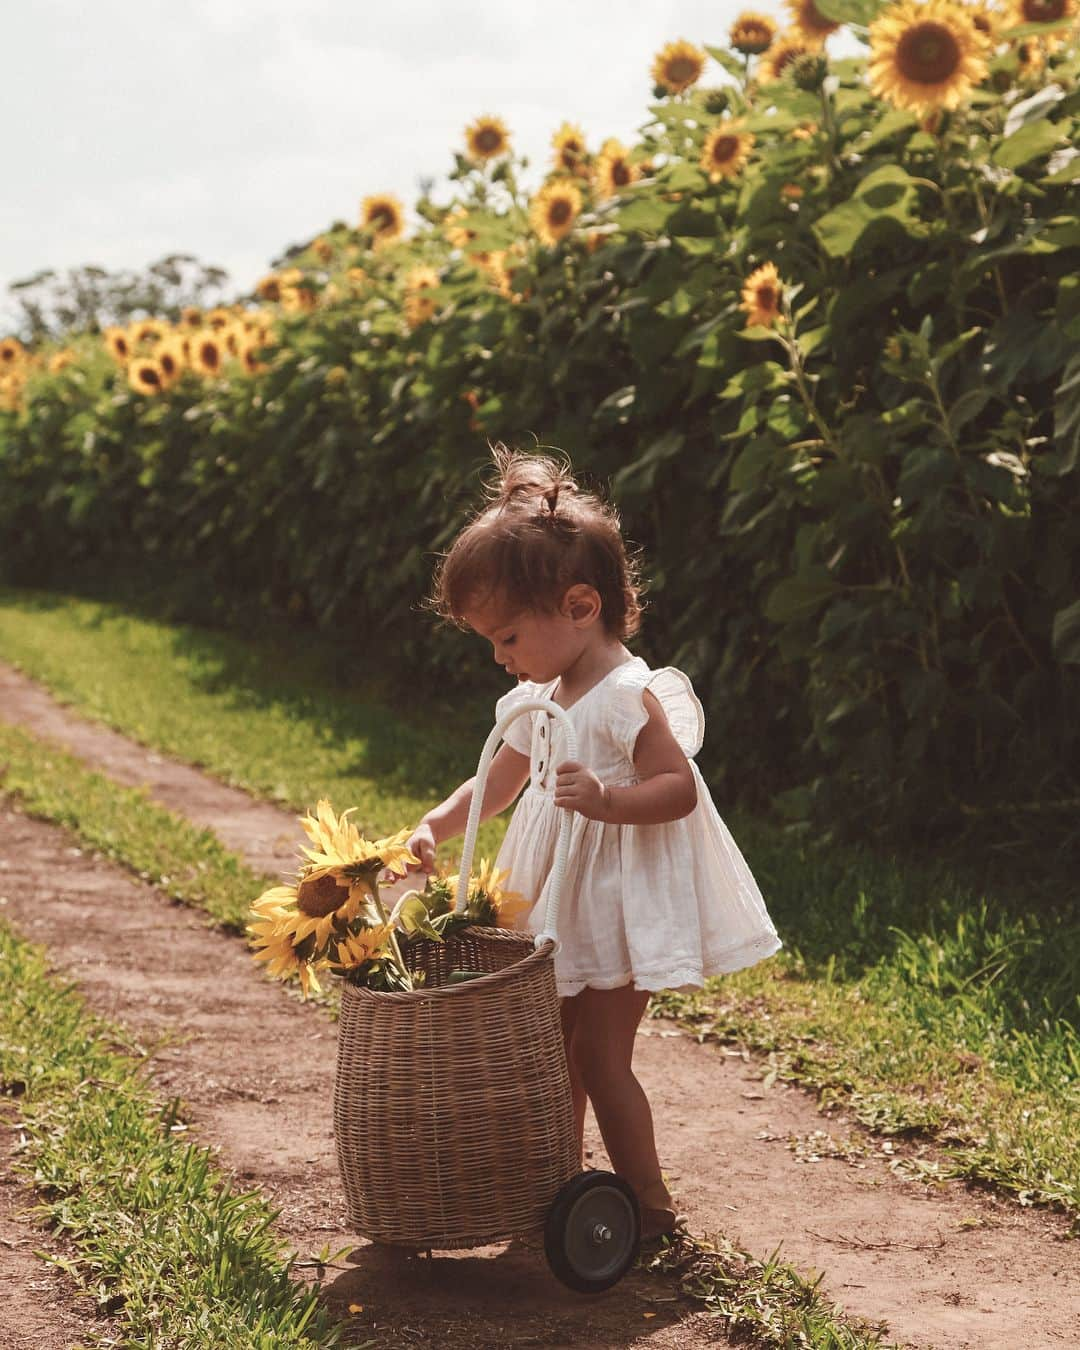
<point x="592" y="1232"/>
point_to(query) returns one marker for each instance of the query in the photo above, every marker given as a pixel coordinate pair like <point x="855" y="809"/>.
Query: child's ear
<point x="582" y="604"/>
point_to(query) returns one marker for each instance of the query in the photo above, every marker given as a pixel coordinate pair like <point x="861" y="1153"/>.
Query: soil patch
<point x="942" y="1265"/>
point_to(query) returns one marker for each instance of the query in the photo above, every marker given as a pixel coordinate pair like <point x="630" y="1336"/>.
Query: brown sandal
<point x="658" y="1221"/>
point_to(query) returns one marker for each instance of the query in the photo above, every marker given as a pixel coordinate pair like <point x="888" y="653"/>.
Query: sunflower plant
<point x="333" y="917"/>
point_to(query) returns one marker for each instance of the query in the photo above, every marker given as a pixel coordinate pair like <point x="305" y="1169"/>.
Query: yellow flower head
<point x="146" y="376"/>
<point x="323" y="249"/>
<point x="488" y="901"/>
<point x="925" y="55"/>
<point x="808" y="22"/>
<point x="116" y="339"/>
<point x="148" y="331"/>
<point x="207" y="352"/>
<point x="59" y="361"/>
<point x="1061" y="13"/>
<point x="569" y="146"/>
<point x="418" y="309"/>
<point x="752" y="33"/>
<point x="384" y="216"/>
<point x="218" y="318"/>
<point x="421" y="279"/>
<point x="677" y="66"/>
<point x="761" y="296"/>
<point x="487" y="138"/>
<point x="191" y="316"/>
<point x="613" y="170"/>
<point x="172" y="358"/>
<point x="554" y="209"/>
<point x="788" y="47"/>
<point x="458" y="235"/>
<point x="726" y="150"/>
<point x="11" y="353"/>
<point x="985" y="21"/>
<point x="269" y="288"/>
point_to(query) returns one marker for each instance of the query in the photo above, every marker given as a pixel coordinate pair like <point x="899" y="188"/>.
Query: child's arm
<point x="667" y="790"/>
<point x="507" y="775"/>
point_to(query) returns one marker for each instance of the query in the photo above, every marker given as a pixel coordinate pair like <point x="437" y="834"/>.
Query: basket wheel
<point x="592" y="1231"/>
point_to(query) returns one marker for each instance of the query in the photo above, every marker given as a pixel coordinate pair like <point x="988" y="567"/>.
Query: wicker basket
<point x="453" y="1119"/>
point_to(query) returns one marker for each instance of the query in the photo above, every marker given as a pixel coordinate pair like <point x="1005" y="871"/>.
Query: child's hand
<point x="421" y="845"/>
<point x="578" y="789"/>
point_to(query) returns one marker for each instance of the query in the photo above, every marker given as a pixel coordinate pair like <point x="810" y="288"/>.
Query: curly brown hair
<point x="539" y="534"/>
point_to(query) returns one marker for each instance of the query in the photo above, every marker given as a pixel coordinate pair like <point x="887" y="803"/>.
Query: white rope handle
<point x="549" y="932"/>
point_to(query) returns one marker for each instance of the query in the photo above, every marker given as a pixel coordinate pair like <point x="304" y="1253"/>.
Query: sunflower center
<point x="681" y="69"/>
<point x="168" y="364"/>
<point x="149" y="375"/>
<point x="382" y="218"/>
<point x="318" y="898"/>
<point x="559" y="212"/>
<point x="724" y="148"/>
<point x="620" y="173"/>
<point x="1044" y="11"/>
<point x="209" y="354"/>
<point x="928" y="53"/>
<point x="488" y="139"/>
<point x="766" y="297"/>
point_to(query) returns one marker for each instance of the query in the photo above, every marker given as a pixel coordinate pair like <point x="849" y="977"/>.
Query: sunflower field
<point x="817" y="329"/>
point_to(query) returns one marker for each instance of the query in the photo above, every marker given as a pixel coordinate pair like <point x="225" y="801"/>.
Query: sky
<point x="230" y="129"/>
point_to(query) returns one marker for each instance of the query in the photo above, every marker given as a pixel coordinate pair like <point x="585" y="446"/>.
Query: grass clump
<point x="162" y="1243"/>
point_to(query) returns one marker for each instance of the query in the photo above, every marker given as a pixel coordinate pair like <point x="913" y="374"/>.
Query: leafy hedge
<point x="860" y="525"/>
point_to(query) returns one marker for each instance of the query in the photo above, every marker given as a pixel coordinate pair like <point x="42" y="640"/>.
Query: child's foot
<point x="659" y="1217"/>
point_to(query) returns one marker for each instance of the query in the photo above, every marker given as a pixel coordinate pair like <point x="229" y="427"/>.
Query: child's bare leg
<point x="568" y="1011"/>
<point x="602" y="1047"/>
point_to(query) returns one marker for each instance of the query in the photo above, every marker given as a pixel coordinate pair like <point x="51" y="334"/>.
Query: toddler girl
<point x="656" y="894"/>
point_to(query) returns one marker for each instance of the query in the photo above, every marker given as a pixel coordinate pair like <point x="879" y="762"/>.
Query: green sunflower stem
<point x="405" y="972"/>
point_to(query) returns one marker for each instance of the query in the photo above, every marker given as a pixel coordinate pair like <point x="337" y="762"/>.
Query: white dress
<point x="661" y="906"/>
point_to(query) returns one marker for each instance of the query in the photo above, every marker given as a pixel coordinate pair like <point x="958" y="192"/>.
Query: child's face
<point x="529" y="643"/>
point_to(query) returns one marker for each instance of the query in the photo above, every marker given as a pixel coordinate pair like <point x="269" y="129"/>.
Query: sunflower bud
<point x="716" y="101"/>
<point x="808" y="71"/>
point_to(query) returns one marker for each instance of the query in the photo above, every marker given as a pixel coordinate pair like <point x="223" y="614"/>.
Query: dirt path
<point x="943" y="1266"/>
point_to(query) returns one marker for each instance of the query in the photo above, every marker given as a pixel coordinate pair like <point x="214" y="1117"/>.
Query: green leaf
<point x="728" y="60"/>
<point x="1031" y="142"/>
<point x="861" y="12"/>
<point x="1065" y="634"/>
<point x="887" y="193"/>
<point x="1067" y="416"/>
<point x="967" y="407"/>
<point x="798" y="597"/>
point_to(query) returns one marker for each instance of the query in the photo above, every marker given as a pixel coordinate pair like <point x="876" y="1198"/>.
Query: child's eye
<point x="510" y="640"/>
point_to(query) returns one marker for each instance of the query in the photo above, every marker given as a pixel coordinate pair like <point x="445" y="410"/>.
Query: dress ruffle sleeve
<point x="518" y="735"/>
<point x="673" y="689"/>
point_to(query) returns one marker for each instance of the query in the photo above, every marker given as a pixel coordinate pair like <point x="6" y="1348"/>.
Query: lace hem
<point x="678" y="977"/>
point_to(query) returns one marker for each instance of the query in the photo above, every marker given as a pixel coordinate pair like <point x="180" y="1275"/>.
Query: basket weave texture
<point x="453" y="1119"/>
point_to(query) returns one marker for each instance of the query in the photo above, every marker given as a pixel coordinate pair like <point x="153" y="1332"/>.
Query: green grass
<point x="924" y="1002"/>
<point x="162" y="1244"/>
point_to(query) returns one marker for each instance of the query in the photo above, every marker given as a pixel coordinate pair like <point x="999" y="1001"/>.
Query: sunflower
<point x="487" y="138"/>
<point x="332" y="915"/>
<point x="613" y="170"/>
<point x="569" y="146"/>
<point x="677" y="66"/>
<point x="11" y="352"/>
<point x="752" y="33"/>
<point x="986" y="21"/>
<point x="207" y="353"/>
<point x="761" y="296"/>
<point x="146" y="376"/>
<point x="191" y="316"/>
<point x="60" y="361"/>
<point x="419" y="309"/>
<point x="925" y="56"/>
<point x="269" y="288"/>
<point x="458" y="234"/>
<point x="1060" y="13"/>
<point x="147" y="330"/>
<point x="788" y="47"/>
<point x="805" y="131"/>
<point x="323" y="249"/>
<point x="808" y="22"/>
<point x="726" y="150"/>
<point x="1030" y="57"/>
<point x="421" y="279"/>
<point x="218" y="318"/>
<point x="554" y="209"/>
<point x="297" y="299"/>
<point x="356" y="277"/>
<point x="249" y="358"/>
<point x="116" y="339"/>
<point x="487" y="902"/>
<point x="384" y="216"/>
<point x="172" y="358"/>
